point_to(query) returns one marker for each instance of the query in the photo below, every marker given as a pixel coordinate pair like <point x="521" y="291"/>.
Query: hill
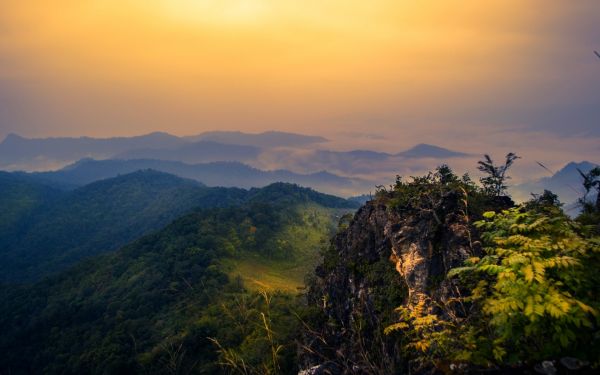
<point x="96" y="218"/>
<point x="20" y="195"/>
<point x="151" y="306"/>
<point x="45" y="237"/>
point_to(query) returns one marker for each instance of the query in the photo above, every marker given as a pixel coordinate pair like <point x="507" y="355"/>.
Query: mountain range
<point x="236" y="159"/>
<point x="271" y="152"/>
<point x="567" y="183"/>
<point x="227" y="174"/>
<point x="18" y="152"/>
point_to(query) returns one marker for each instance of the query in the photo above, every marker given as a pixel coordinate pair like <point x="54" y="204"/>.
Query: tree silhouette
<point x="494" y="183"/>
<point x="591" y="180"/>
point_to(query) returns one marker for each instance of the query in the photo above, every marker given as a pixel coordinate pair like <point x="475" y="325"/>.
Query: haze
<point x="469" y="75"/>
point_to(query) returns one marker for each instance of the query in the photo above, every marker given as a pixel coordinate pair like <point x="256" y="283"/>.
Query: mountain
<point x="228" y="174"/>
<point x="197" y="152"/>
<point x="97" y="218"/>
<point x="17" y="152"/>
<point x="430" y="151"/>
<point x="262" y="140"/>
<point x="566" y="183"/>
<point x="152" y="306"/>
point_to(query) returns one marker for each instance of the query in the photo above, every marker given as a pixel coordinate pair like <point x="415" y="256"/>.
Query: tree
<point x="591" y="180"/>
<point x="494" y="183"/>
<point x="532" y="286"/>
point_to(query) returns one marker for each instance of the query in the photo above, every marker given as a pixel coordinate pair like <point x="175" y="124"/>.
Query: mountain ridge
<point x="102" y="216"/>
<point x="424" y="150"/>
<point x="227" y="174"/>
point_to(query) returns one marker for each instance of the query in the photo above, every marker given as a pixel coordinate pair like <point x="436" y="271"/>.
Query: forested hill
<point x="20" y="195"/>
<point x="46" y="230"/>
<point x="151" y="306"/>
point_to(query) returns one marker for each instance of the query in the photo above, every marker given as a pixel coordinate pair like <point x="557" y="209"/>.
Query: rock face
<point x="385" y="257"/>
<point x="423" y="253"/>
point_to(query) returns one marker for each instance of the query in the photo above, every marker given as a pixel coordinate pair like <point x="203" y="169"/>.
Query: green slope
<point x="149" y="307"/>
<point x="19" y="197"/>
<point x="45" y="237"/>
<point x="294" y="245"/>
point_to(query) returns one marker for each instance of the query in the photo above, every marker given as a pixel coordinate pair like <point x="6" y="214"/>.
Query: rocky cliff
<point x="391" y="253"/>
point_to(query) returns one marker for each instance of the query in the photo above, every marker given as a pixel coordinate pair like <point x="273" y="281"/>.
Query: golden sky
<point x="412" y="69"/>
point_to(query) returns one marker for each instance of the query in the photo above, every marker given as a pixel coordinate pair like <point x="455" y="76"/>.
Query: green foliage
<point x="286" y="193"/>
<point x="591" y="180"/>
<point x="546" y="202"/>
<point x="98" y="218"/>
<point x="424" y="335"/>
<point x="533" y="295"/>
<point x="267" y="325"/>
<point x="42" y="233"/>
<point x="426" y="193"/>
<point x="151" y="306"/>
<point x="289" y="254"/>
<point x="494" y="183"/>
<point x="20" y="196"/>
<point x="534" y="300"/>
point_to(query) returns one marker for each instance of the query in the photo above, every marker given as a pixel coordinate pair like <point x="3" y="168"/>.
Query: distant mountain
<point x="20" y="153"/>
<point x="430" y="151"/>
<point x="227" y="174"/>
<point x="17" y="152"/>
<point x="196" y="152"/>
<point x="262" y="140"/>
<point x="566" y="183"/>
<point x="96" y="218"/>
<point x="278" y="152"/>
<point x="357" y="162"/>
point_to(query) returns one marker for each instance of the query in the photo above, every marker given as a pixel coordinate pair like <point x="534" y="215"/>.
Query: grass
<point x="305" y="239"/>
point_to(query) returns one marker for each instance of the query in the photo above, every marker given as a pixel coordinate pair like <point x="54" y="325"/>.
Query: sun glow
<point x="218" y="12"/>
<point x="264" y="64"/>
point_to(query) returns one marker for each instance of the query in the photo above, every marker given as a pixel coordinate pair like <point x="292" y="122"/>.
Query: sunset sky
<point x="491" y="74"/>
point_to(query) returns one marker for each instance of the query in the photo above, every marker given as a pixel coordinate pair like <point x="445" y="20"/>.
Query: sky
<point x="494" y="75"/>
